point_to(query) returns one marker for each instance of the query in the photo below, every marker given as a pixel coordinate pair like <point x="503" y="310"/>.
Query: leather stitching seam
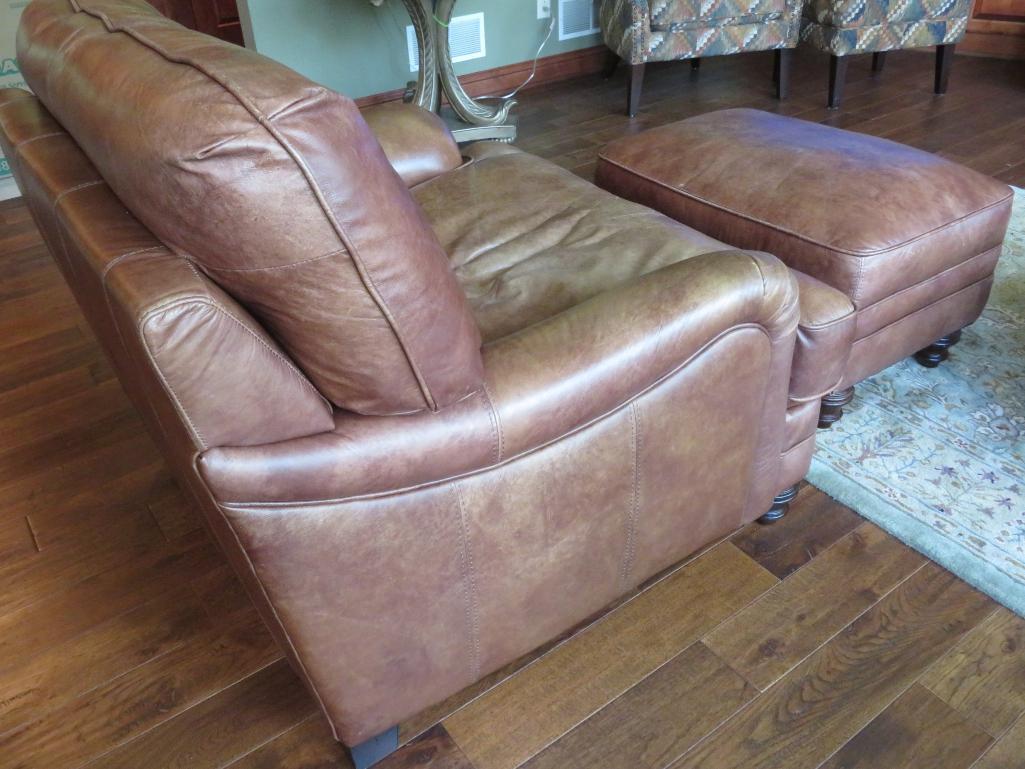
<point x="634" y="509"/>
<point x="125" y="257"/>
<point x="76" y="188"/>
<point x="848" y="252"/>
<point x="497" y="420"/>
<point x="9" y="102"/>
<point x="494" y="425"/>
<point x="170" y="388"/>
<point x="300" y="263"/>
<point x="980" y="281"/>
<point x="469" y="587"/>
<point x="50" y="135"/>
<point x="930" y="279"/>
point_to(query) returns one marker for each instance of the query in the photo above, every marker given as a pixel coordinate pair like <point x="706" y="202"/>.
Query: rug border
<point x="948" y="554"/>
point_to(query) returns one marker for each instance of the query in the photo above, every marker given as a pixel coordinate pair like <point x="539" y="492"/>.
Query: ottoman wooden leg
<point x="878" y="61"/>
<point x="781" y="72"/>
<point x="832" y="407"/>
<point x="695" y="63"/>
<point x="944" y="58"/>
<point x="780" y="506"/>
<point x="633" y="89"/>
<point x="837" y="76"/>
<point x="938" y="351"/>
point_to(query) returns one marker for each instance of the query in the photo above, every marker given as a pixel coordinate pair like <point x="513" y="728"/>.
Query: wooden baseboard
<point x="550" y="69"/>
<point x="989" y="37"/>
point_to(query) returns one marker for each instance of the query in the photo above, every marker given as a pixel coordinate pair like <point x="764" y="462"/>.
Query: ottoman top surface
<point x="848" y="192"/>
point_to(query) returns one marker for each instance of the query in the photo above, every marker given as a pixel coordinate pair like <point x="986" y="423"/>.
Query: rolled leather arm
<point x="417" y="142"/>
<point x="542" y="384"/>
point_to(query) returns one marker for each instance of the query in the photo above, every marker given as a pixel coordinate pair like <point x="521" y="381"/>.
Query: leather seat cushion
<point x="864" y="215"/>
<point x="667" y="15"/>
<point x="528" y="239"/>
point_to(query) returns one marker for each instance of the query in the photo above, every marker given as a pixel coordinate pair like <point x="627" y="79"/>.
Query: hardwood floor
<point x="820" y="641"/>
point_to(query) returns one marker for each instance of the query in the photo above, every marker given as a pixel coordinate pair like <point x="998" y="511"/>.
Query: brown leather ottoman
<point x="912" y="239"/>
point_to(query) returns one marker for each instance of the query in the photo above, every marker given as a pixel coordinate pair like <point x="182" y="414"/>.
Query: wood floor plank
<point x="918" y="730"/>
<point x="95" y="723"/>
<point x="817" y="707"/>
<point x="221" y="593"/>
<point x="32" y="395"/>
<point x="547" y="699"/>
<point x="815" y="522"/>
<point x="30" y="578"/>
<point x="175" y="513"/>
<point x="789" y="622"/>
<point x="1008" y="752"/>
<point x="38" y="314"/>
<point x="222" y="728"/>
<point x="434" y="748"/>
<point x="64" y="671"/>
<point x="77" y="608"/>
<point x="983" y="677"/>
<point x="657" y="720"/>
<point x="15" y="537"/>
<point x="43" y="357"/>
<point x="309" y="745"/>
<point x="60" y="417"/>
<point x="58" y="498"/>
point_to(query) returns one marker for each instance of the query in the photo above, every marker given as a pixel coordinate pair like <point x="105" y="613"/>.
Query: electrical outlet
<point x="544" y="9"/>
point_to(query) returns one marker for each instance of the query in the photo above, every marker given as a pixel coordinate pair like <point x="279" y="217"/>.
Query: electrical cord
<point x="533" y="69"/>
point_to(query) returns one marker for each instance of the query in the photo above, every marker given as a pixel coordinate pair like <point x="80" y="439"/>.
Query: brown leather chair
<point x="434" y="417"/>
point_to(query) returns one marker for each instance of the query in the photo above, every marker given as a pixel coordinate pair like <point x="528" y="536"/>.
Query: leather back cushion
<point x="270" y="183"/>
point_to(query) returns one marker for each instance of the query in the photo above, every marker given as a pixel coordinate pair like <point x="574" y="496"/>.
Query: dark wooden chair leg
<point x="944" y="58"/>
<point x="633" y="89"/>
<point x="831" y="410"/>
<point x="780" y="506"/>
<point x="878" y="61"/>
<point x="837" y="76"/>
<point x="612" y="60"/>
<point x="371" y="751"/>
<point x="938" y="351"/>
<point x="695" y="63"/>
<point x="781" y="71"/>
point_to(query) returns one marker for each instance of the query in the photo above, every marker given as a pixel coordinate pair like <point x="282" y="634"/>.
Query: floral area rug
<point x="937" y="456"/>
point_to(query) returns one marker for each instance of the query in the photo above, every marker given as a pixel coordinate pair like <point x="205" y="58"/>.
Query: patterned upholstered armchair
<point x="845" y="27"/>
<point x="640" y="31"/>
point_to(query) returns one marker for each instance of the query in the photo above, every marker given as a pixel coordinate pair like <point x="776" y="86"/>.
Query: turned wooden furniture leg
<point x="695" y="63"/>
<point x="633" y="89"/>
<point x="832" y="407"/>
<point x="944" y="58"/>
<point x="780" y="505"/>
<point x="938" y="351"/>
<point x="371" y="751"/>
<point x="878" y="61"/>
<point x="781" y="71"/>
<point x="611" y="63"/>
<point x="837" y="76"/>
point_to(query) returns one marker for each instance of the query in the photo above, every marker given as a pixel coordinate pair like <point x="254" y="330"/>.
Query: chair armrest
<point x="542" y="384"/>
<point x="417" y="143"/>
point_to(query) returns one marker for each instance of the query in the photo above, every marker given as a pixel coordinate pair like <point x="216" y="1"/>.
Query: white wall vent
<point x="465" y="40"/>
<point x="577" y="18"/>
